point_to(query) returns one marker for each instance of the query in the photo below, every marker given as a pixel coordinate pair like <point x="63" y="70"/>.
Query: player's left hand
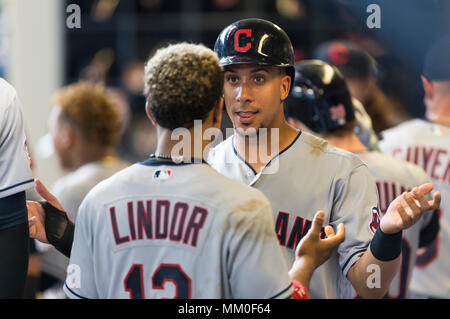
<point x="408" y="208"/>
<point x="36" y="213"/>
<point x="36" y="221"/>
<point x="312" y="251"/>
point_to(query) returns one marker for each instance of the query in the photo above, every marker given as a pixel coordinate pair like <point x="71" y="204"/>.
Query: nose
<point x="244" y="94"/>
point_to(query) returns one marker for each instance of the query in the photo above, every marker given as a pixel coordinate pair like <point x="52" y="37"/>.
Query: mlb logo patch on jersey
<point x="437" y="130"/>
<point x="162" y="174"/>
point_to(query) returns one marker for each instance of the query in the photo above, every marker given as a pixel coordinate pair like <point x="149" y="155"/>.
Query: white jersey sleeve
<point x="15" y="172"/>
<point x="356" y="192"/>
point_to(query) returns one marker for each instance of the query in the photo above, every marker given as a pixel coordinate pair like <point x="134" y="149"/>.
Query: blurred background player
<point x="15" y="179"/>
<point x="427" y="144"/>
<point x="361" y="73"/>
<point x="320" y="103"/>
<point x="85" y="125"/>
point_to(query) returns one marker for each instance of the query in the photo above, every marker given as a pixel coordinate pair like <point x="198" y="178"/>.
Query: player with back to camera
<point x="323" y="106"/>
<point x="179" y="219"/>
<point x="304" y="173"/>
<point x="426" y="142"/>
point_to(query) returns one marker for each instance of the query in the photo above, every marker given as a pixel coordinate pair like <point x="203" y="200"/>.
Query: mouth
<point x="246" y="117"/>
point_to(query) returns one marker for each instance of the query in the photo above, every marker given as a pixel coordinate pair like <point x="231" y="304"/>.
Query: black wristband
<point x="386" y="247"/>
<point x="58" y="228"/>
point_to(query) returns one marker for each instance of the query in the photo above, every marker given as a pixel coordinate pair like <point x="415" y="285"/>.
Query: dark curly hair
<point x="88" y="108"/>
<point x="182" y="84"/>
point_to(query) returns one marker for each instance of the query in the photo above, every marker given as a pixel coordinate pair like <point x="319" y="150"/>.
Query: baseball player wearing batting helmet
<point x="304" y="173"/>
<point x="362" y="74"/>
<point x="177" y="219"/>
<point x="427" y="144"/>
<point x="15" y="179"/>
<point x="312" y="107"/>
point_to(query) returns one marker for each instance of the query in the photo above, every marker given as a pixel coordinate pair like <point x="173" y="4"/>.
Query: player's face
<point x="59" y="137"/>
<point x="253" y="95"/>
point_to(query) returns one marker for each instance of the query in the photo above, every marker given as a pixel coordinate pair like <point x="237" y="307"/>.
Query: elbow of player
<point x="372" y="293"/>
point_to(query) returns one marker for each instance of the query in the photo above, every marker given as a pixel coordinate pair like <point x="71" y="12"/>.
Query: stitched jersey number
<point x="134" y="280"/>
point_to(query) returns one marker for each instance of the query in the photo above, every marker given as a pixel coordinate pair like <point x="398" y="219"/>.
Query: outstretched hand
<point x="312" y="251"/>
<point x="316" y="249"/>
<point x="408" y="208"/>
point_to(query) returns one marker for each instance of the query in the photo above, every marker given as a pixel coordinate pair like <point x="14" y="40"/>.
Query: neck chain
<point x="163" y="156"/>
<point x="174" y="159"/>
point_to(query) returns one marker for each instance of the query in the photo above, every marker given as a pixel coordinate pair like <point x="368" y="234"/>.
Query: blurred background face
<point x="60" y="134"/>
<point x="253" y="95"/>
<point x="437" y="99"/>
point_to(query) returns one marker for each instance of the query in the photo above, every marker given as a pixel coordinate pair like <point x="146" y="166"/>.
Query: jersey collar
<point x="281" y="152"/>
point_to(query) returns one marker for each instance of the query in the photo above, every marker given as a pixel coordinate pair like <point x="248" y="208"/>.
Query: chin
<point x="247" y="131"/>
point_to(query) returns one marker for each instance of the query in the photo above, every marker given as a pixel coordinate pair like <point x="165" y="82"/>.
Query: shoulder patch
<point x="375" y="223"/>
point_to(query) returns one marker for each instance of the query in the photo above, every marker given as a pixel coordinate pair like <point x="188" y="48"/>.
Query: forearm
<point x="301" y="271"/>
<point x="372" y="277"/>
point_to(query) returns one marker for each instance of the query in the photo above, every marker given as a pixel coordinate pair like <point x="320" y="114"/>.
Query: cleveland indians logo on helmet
<point x="245" y="32"/>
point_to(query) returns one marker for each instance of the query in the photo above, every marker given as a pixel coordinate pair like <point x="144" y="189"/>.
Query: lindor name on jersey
<point x="435" y="161"/>
<point x="157" y="220"/>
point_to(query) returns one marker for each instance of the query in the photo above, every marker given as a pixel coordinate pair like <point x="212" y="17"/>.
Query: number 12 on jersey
<point x="134" y="280"/>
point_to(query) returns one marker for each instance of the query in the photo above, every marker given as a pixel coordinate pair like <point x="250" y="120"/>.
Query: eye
<point x="232" y="79"/>
<point x="259" y="79"/>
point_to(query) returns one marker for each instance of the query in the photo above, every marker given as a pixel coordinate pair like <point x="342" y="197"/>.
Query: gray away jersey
<point x="393" y="177"/>
<point x="427" y="145"/>
<point x="311" y="175"/>
<point x="161" y="230"/>
<point x="15" y="172"/>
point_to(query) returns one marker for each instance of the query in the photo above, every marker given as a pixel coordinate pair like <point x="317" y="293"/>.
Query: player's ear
<point x="285" y="86"/>
<point x="66" y="136"/>
<point x="427" y="87"/>
<point x="217" y="112"/>
<point x="149" y="114"/>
